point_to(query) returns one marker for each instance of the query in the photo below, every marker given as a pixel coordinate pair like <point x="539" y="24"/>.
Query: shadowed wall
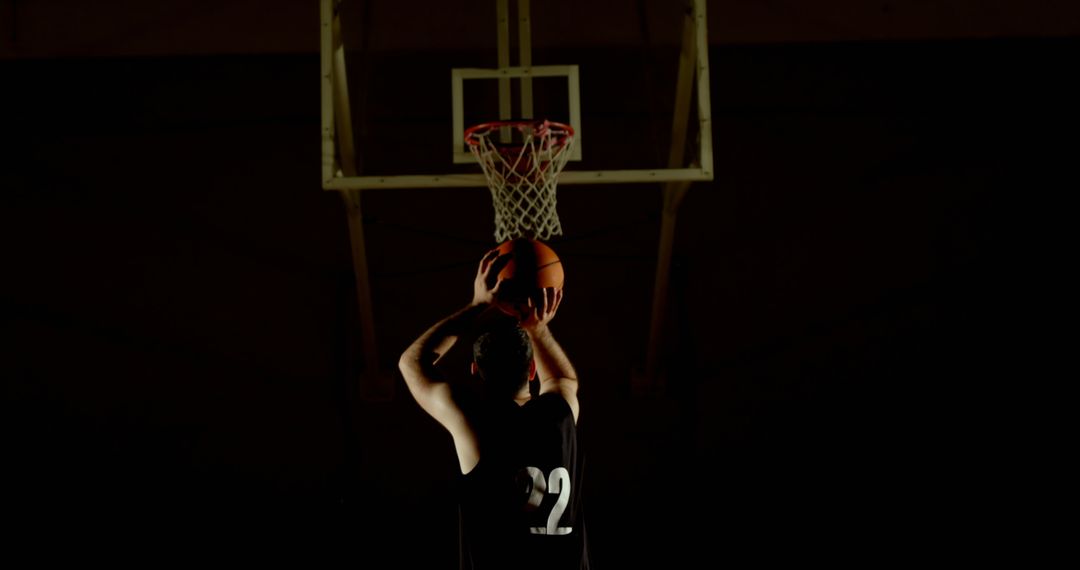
<point x="182" y="335"/>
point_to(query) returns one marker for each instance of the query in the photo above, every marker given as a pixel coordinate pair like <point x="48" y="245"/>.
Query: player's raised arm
<point x="417" y="363"/>
<point x="556" y="371"/>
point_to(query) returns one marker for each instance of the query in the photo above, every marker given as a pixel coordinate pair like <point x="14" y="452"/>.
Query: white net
<point x="522" y="176"/>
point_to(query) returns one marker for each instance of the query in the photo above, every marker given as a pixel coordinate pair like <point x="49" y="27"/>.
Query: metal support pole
<point x="373" y="384"/>
<point x="673" y="194"/>
<point x="525" y="57"/>
<point x="502" y="15"/>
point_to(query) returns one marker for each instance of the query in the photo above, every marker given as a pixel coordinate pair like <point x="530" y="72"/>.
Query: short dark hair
<point x="503" y="354"/>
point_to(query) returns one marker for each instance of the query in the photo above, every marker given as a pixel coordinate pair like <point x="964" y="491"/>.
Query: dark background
<point x="181" y="350"/>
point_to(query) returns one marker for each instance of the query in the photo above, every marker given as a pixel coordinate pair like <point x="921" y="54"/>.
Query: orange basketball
<point x="533" y="266"/>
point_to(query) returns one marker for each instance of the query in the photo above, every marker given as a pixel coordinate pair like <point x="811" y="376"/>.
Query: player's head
<point x="503" y="357"/>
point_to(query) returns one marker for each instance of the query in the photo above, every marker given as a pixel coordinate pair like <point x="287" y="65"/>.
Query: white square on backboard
<point x="459" y="75"/>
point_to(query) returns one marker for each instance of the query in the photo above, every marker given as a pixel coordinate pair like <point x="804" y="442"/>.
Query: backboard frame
<point x="333" y="86"/>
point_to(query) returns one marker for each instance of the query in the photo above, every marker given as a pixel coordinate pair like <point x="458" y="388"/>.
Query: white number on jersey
<point x="558" y="482"/>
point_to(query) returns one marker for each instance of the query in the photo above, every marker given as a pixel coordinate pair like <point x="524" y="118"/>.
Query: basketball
<point x="533" y="266"/>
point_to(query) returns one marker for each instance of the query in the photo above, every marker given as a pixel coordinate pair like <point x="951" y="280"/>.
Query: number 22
<point x="557" y="482"/>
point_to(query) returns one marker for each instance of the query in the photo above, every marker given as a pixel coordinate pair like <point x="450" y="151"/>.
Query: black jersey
<point x="521" y="505"/>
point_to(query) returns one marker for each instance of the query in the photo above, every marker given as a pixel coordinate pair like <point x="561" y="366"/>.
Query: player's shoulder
<point x="566" y="390"/>
<point x="551" y="403"/>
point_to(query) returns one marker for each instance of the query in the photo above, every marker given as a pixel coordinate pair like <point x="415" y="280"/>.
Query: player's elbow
<point x="408" y="363"/>
<point x="415" y="368"/>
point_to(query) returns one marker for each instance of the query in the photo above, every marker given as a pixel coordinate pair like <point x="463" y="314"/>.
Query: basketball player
<point x="515" y="431"/>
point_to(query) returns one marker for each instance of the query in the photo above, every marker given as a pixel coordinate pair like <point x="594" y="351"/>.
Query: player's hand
<point x="487" y="282"/>
<point x="538" y="312"/>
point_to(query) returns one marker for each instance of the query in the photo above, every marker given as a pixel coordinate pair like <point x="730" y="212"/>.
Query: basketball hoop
<point x="522" y="174"/>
